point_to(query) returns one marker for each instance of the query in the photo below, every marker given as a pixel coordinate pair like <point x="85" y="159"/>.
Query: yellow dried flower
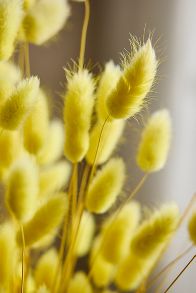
<point x="155" y="142"/>
<point x="18" y="106"/>
<point x="110" y="136"/>
<point x="118" y="233"/>
<point x="11" y="15"/>
<point x="45" y="221"/>
<point x="78" y="109"/>
<point x="147" y="244"/>
<point x="22" y="189"/>
<point x="46" y="268"/>
<point x="85" y="234"/>
<point x="44" y="20"/>
<point x="27" y="4"/>
<point x="79" y="284"/>
<point x="107" y="83"/>
<point x="128" y="96"/>
<point x="36" y="125"/>
<point x="54" y="178"/>
<point x="192" y="228"/>
<point x="8" y="256"/>
<point x="53" y="148"/>
<point x="106" y="186"/>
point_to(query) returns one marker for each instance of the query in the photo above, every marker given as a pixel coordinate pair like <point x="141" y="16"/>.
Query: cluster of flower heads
<point x="57" y="175"/>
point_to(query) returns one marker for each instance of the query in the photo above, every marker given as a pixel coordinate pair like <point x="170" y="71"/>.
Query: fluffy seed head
<point x="85" y="234"/>
<point x="53" y="147"/>
<point x="155" y="142"/>
<point x="107" y="83"/>
<point x="78" y="109"/>
<point x="18" y="106"/>
<point x="22" y="189"/>
<point x="118" y="233"/>
<point x="44" y="20"/>
<point x="36" y="125"/>
<point x="192" y="228"/>
<point x="45" y="221"/>
<point x="106" y="186"/>
<point x="110" y="137"/>
<point x="46" y="268"/>
<point x="128" y="96"/>
<point x="11" y="15"/>
<point x="79" y="284"/>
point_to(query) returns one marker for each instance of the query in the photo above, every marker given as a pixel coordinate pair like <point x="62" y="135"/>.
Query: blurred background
<point x="174" y="24"/>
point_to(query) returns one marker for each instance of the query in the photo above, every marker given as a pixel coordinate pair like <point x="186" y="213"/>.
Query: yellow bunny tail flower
<point x="106" y="186"/>
<point x="22" y="189"/>
<point x="78" y="109"/>
<point x="8" y="256"/>
<point x="192" y="228"/>
<point x="85" y="234"/>
<point x="128" y="96"/>
<point x="36" y="125"/>
<point x="9" y="76"/>
<point x="107" y="83"/>
<point x="54" y="178"/>
<point x="44" y="20"/>
<point x="27" y="4"/>
<point x="155" y="142"/>
<point x="46" y="268"/>
<point x="118" y="233"/>
<point x="110" y="137"/>
<point x="53" y="147"/>
<point x="45" y="221"/>
<point x="11" y="15"/>
<point x="18" y="106"/>
<point x="148" y="243"/>
<point x="10" y="147"/>
<point x="80" y="284"/>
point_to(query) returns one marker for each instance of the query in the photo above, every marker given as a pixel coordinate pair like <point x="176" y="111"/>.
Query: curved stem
<point x="84" y="33"/>
<point x="23" y="259"/>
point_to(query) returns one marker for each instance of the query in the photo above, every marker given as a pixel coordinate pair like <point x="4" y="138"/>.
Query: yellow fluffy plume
<point x="45" y="221"/>
<point x="106" y="186"/>
<point x="111" y="134"/>
<point x="80" y="284"/>
<point x="155" y="142"/>
<point x="78" y="109"/>
<point x="11" y="15"/>
<point x="128" y="96"/>
<point x="44" y="20"/>
<point x="18" y="106"/>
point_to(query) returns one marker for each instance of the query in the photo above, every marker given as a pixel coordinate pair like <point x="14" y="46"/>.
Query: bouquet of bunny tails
<point x="58" y="176"/>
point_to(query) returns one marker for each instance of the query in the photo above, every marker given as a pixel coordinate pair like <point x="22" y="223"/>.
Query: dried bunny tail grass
<point x="102" y="271"/>
<point x="10" y="147"/>
<point x="147" y="246"/>
<point x="11" y="16"/>
<point x="110" y="137"/>
<point x="8" y="256"/>
<point x="192" y="227"/>
<point x="45" y="221"/>
<point x="44" y="20"/>
<point x="9" y="76"/>
<point x="54" y="178"/>
<point x="155" y="231"/>
<point x="22" y="189"/>
<point x="107" y="83"/>
<point x="78" y="109"/>
<point x="106" y="186"/>
<point x="155" y="142"/>
<point x="18" y="106"/>
<point x="53" y="148"/>
<point x="46" y="268"/>
<point x="27" y="4"/>
<point x="36" y="125"/>
<point x="85" y="234"/>
<point x="79" y="284"/>
<point x="128" y="97"/>
<point x="118" y="232"/>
